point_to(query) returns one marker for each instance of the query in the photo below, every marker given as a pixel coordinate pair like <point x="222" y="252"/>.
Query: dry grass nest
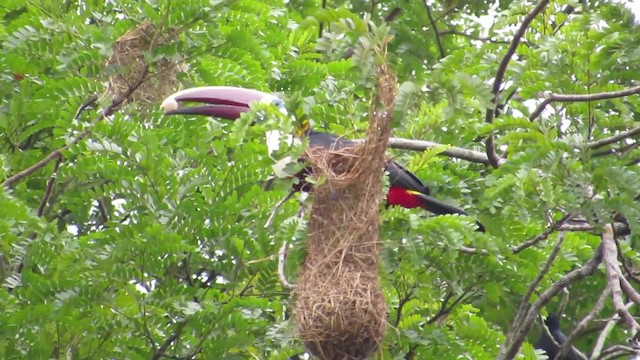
<point x="340" y="308"/>
<point x="128" y="64"/>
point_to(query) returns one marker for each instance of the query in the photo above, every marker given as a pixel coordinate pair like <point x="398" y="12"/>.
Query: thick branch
<point x="614" y="275"/>
<point x="453" y="151"/>
<point x="502" y="69"/>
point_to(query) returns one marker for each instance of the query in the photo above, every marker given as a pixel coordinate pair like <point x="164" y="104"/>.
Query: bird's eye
<point x="279" y="103"/>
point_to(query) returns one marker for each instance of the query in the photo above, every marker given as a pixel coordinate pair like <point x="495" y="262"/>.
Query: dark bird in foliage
<point x="405" y="189"/>
<point x="546" y="343"/>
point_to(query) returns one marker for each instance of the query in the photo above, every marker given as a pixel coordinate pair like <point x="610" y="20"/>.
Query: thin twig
<point x="472" y="251"/>
<point x="494" y="159"/>
<point x="478" y="38"/>
<point x="545" y="234"/>
<point x="618" y="351"/>
<point x="623" y="261"/>
<point x="401" y="303"/>
<point x="160" y="352"/>
<point x="274" y="212"/>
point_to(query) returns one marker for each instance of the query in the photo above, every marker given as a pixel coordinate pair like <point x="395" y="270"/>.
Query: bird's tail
<point x="438" y="207"/>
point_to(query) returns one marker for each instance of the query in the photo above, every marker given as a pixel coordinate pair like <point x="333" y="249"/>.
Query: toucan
<point x="226" y="102"/>
<point x="548" y="345"/>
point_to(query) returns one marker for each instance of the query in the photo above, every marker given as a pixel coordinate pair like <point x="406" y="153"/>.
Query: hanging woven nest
<point x="127" y="63"/>
<point x="340" y="308"/>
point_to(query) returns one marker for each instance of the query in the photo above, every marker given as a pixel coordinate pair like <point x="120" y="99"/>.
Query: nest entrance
<point x="340" y="309"/>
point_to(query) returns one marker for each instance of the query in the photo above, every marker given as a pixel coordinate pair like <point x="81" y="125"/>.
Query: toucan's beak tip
<point x="169" y="104"/>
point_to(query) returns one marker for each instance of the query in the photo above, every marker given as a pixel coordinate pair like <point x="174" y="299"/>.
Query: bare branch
<point x="282" y="258"/>
<point x="614" y="275"/>
<point x="494" y="159"/>
<point x="552" y="97"/>
<point x="435" y="29"/>
<point x="611" y="324"/>
<point x="545" y="269"/>
<point x="582" y="325"/>
<point x="274" y="212"/>
<point x="615" y="138"/>
<point x="618" y="351"/>
<point x="445" y="307"/>
<point x="452" y="151"/>
<point x="520" y="329"/>
<point x="472" y="251"/>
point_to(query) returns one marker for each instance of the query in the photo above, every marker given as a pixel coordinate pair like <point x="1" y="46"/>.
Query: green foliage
<point x="151" y="239"/>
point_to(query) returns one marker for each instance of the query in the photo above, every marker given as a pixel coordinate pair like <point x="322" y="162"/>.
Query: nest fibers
<point x="129" y="65"/>
<point x="340" y="309"/>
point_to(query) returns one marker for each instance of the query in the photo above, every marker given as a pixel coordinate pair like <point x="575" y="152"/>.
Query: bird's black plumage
<point x="546" y="343"/>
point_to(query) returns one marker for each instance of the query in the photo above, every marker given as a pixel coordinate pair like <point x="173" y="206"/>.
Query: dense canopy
<point x="128" y="234"/>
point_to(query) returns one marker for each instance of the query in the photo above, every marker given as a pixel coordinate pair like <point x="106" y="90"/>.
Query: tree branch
<point x="615" y="138"/>
<point x="49" y="189"/>
<point x="110" y="110"/>
<point x="552" y="97"/>
<point x="158" y="353"/>
<point x="520" y="329"/>
<point x="582" y="325"/>
<point x="545" y="234"/>
<point x="282" y="259"/>
<point x="401" y="303"/>
<point x="435" y="29"/>
<point x="524" y="307"/>
<point x="452" y="151"/>
<point x="614" y="275"/>
<point x="494" y="159"/>
<point x="611" y="324"/>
